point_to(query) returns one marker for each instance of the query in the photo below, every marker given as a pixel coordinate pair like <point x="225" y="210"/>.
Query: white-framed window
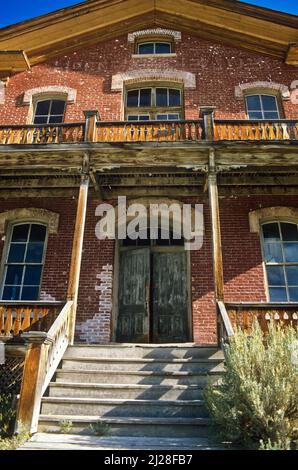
<point x="280" y="252"/>
<point x="49" y="111"/>
<point x="138" y="117"/>
<point x="262" y="107"/>
<point x="153" y="97"/>
<point x="168" y="117"/>
<point x="154" y="47"/>
<point x="24" y="260"/>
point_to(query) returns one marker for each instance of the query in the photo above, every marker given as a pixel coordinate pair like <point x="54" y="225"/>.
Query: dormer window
<point x="262" y="107"/>
<point x="49" y="111"/>
<point x="156" y="103"/>
<point x="152" y="47"/>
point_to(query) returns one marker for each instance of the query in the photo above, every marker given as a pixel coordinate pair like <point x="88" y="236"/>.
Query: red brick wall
<point x="244" y="278"/>
<point x="218" y="69"/>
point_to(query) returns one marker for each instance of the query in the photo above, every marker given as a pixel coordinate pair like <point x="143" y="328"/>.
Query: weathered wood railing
<point x="225" y="327"/>
<point x="244" y="314"/>
<point x="42" y="134"/>
<point x="152" y="131"/>
<point x="19" y="317"/>
<point x="46" y="344"/>
<point x="255" y="130"/>
<point x="148" y="131"/>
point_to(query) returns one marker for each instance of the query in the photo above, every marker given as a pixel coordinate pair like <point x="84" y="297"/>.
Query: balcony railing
<point x="151" y="131"/>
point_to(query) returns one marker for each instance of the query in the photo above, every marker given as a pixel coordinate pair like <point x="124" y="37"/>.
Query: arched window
<point x="160" y="103"/>
<point x="24" y="261"/>
<point x="261" y="106"/>
<point x="154" y="47"/>
<point x="49" y="111"/>
<point x="280" y="251"/>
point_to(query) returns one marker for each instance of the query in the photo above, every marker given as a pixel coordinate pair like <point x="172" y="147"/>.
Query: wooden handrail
<point x="226" y="330"/>
<point x="255" y="130"/>
<point x="45" y="351"/>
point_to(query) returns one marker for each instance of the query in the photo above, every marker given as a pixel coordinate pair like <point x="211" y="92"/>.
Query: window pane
<point x="292" y="275"/>
<point x="255" y="115"/>
<point x="41" y="120"/>
<point x="133" y="117"/>
<point x="291" y="252"/>
<point x="56" y="119"/>
<point x="144" y="117"/>
<point x="161" y="117"/>
<point x="271" y="115"/>
<point x="271" y="232"/>
<point x="133" y="98"/>
<point x="275" y="276"/>
<point x="58" y="107"/>
<point x="43" y="108"/>
<point x="34" y="253"/>
<point x="32" y="275"/>
<point x="161" y="97"/>
<point x="14" y="275"/>
<point x="273" y="253"/>
<point x="253" y="103"/>
<point x="38" y="233"/>
<point x="269" y="103"/>
<point x="289" y="232"/>
<point x="11" y="293"/>
<point x="293" y="294"/>
<point x="162" y="48"/>
<point x="278" y="294"/>
<point x="146" y="48"/>
<point x="173" y="117"/>
<point x="20" y="233"/>
<point x="30" y="293"/>
<point x="174" y="97"/>
<point x="145" y="97"/>
<point x="16" y="253"/>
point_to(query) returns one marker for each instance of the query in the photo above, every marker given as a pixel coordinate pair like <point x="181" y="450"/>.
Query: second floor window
<point x="154" y="47"/>
<point x="161" y="103"/>
<point x="280" y="248"/>
<point x="262" y="107"/>
<point x="49" y="112"/>
<point x="24" y="262"/>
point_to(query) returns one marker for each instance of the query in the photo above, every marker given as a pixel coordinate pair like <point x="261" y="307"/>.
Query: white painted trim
<point x="134" y="76"/>
<point x="243" y="88"/>
<point x="70" y="93"/>
<point x="266" y="214"/>
<point x="51" y="219"/>
<point x="176" y="35"/>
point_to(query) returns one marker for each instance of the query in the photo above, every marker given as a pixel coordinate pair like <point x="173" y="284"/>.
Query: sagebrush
<point x="256" y="404"/>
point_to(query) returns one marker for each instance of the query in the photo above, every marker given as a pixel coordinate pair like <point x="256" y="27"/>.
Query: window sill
<point x="153" y="56"/>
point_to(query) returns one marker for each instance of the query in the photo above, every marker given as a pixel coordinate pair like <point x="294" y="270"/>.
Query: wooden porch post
<point x="216" y="232"/>
<point x="76" y="257"/>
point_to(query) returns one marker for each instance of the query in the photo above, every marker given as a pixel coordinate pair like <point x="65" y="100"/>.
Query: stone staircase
<point x="138" y="390"/>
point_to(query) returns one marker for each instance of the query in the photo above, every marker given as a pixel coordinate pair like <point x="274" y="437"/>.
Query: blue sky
<point x="13" y="11"/>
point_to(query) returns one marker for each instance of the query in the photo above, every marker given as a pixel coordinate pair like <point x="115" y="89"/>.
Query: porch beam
<point x="77" y="247"/>
<point x="216" y="231"/>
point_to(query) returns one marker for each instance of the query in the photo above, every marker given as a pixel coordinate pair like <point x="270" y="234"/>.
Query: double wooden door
<point x="153" y="296"/>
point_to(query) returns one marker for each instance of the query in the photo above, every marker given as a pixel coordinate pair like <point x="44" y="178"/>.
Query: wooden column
<point x="92" y="116"/>
<point x="207" y="114"/>
<point x="76" y="257"/>
<point x="32" y="382"/>
<point x="216" y="232"/>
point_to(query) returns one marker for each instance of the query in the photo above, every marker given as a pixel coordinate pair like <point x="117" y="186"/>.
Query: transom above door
<point x="153" y="298"/>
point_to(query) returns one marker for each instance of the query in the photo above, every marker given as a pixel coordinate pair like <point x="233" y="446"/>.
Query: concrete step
<point x="126" y="391"/>
<point x="135" y="377"/>
<point x="136" y="351"/>
<point x="124" y="364"/>
<point x="47" y="441"/>
<point x="120" y="408"/>
<point x="130" y="426"/>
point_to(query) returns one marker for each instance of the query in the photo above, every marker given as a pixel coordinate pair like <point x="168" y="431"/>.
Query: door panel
<point x="170" y="298"/>
<point x="134" y="285"/>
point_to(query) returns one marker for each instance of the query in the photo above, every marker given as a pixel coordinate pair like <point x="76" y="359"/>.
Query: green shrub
<point x="7" y="414"/>
<point x="65" y="426"/>
<point x="256" y="404"/>
<point x="15" y="441"/>
<point x="100" y="428"/>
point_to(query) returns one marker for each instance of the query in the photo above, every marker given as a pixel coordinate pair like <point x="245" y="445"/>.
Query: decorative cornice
<point x="70" y="93"/>
<point x="176" y="35"/>
<point x="134" y="76"/>
<point x="267" y="214"/>
<point x="51" y="219"/>
<point x="241" y="89"/>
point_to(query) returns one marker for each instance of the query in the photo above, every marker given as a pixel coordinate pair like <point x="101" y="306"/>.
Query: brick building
<point x="188" y="102"/>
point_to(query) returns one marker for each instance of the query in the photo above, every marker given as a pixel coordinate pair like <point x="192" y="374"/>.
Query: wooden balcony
<point x="20" y="317"/>
<point x="152" y="131"/>
<point x="244" y="314"/>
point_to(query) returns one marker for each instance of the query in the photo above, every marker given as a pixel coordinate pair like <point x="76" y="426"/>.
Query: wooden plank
<point x="76" y="256"/>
